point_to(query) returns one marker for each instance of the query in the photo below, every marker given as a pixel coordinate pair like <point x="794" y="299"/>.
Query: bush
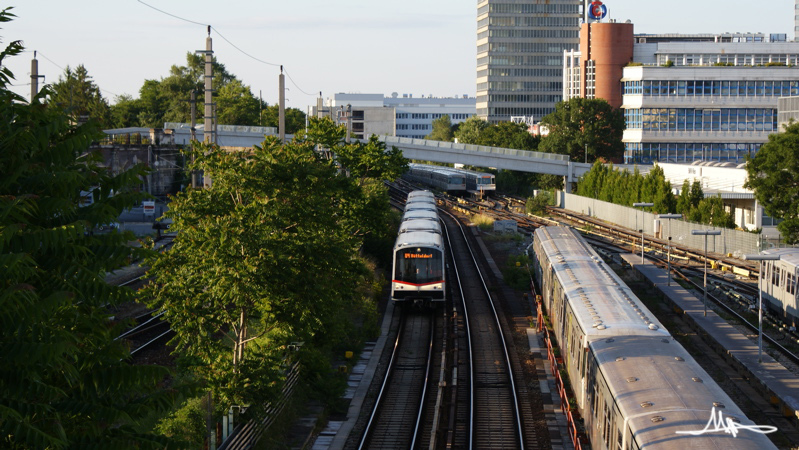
<point x="187" y="424"/>
<point x="538" y="205"/>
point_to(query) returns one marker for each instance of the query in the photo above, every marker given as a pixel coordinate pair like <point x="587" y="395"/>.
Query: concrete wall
<point x="735" y="242"/>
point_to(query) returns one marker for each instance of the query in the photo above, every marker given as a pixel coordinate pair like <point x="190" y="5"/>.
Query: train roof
<point x="421" y="203"/>
<point x="603" y="305"/>
<point x="419" y="239"/>
<point x="441" y="169"/>
<point x="663" y="391"/>
<point x="788" y="255"/>
<point x="420" y="194"/>
<point x="420" y="225"/>
<point x="420" y="214"/>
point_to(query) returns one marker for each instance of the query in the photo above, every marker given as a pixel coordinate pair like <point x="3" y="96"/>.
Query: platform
<point x="775" y="381"/>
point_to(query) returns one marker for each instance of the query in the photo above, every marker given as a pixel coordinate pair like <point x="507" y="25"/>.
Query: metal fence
<point x="733" y="242"/>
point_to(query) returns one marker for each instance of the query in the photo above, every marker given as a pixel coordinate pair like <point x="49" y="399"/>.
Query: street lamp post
<point x="705" y="233"/>
<point x="669" y="217"/>
<point x="760" y="258"/>
<point x="642" y="206"/>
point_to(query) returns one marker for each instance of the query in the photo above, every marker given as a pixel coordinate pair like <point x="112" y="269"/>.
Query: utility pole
<point x="209" y="131"/>
<point x="349" y="123"/>
<point x="208" y="124"/>
<point x="195" y="175"/>
<point x="281" y="118"/>
<point x="35" y="76"/>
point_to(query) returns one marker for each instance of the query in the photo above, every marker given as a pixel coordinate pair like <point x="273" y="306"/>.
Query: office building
<point x="686" y="98"/>
<point x="520" y="47"/>
<point x="398" y="115"/>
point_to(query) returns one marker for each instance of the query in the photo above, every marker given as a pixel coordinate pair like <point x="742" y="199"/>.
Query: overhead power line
<point x="229" y="42"/>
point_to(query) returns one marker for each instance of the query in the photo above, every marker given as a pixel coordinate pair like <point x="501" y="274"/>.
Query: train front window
<point x="419" y="265"/>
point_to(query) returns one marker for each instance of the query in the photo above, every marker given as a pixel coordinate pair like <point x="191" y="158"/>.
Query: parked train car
<point x="635" y="386"/>
<point x="479" y="182"/>
<point x="419" y="270"/>
<point x="442" y="178"/>
<point x="778" y="283"/>
<point x="452" y="180"/>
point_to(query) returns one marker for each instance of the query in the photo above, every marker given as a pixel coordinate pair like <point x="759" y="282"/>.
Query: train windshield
<point x="419" y="265"/>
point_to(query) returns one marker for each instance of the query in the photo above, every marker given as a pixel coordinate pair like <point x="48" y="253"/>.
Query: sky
<point x="419" y="47"/>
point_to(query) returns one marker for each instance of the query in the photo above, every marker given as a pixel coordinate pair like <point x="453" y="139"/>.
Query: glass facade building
<point x="713" y="112"/>
<point x="520" y="47"/>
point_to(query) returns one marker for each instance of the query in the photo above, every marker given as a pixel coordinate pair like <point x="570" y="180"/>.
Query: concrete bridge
<point x="495" y="157"/>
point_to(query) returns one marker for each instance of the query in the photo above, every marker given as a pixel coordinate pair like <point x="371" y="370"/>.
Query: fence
<point x="734" y="242"/>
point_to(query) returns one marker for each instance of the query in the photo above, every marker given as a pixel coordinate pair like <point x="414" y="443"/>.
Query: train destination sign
<point x="418" y="255"/>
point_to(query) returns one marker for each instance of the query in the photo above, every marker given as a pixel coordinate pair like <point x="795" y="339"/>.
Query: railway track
<point x="396" y="418"/>
<point x="494" y="419"/>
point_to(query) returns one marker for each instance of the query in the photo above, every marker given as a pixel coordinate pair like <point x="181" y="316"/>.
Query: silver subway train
<point x="418" y="272"/>
<point x="635" y="385"/>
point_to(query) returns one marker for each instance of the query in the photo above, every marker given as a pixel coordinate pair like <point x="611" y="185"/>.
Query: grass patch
<point x="484" y="222"/>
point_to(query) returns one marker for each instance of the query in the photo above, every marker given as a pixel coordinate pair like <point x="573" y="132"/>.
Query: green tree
<point x="125" y="111"/>
<point x="442" y="129"/>
<point x="581" y="124"/>
<point x="773" y="175"/>
<point x="469" y="130"/>
<point x="263" y="257"/>
<point x="65" y="381"/>
<point x="169" y="100"/>
<point x="508" y="135"/>
<point x="295" y="119"/>
<point x="76" y="93"/>
<point x="237" y="105"/>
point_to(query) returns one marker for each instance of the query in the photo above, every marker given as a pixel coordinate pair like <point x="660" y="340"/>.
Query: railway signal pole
<point x="705" y="233"/>
<point x="760" y="258"/>
<point x="669" y="217"/>
<point x="642" y="206"/>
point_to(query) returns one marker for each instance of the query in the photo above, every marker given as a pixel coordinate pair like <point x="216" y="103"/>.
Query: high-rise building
<point x="520" y="45"/>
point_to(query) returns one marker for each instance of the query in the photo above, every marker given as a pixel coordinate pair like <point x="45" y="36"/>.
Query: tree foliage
<point x="269" y="255"/>
<point x="773" y="175"/>
<point x="623" y="187"/>
<point x="442" y="130"/>
<point x="469" y="130"/>
<point x="65" y="383"/>
<point x="78" y="95"/>
<point x="169" y="100"/>
<point x="579" y="124"/>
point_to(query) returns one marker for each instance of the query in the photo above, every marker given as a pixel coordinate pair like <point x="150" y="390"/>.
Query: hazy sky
<point x="419" y="47"/>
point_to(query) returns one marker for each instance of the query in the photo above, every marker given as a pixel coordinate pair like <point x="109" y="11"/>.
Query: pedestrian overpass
<point x="494" y="157"/>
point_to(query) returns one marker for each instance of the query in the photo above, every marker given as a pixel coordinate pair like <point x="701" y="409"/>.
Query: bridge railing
<point x="399" y="141"/>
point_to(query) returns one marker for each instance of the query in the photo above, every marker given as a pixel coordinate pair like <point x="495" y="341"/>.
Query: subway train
<point x="779" y="285"/>
<point x="445" y="179"/>
<point x="418" y="272"/>
<point x="635" y="385"/>
<point x="451" y="180"/>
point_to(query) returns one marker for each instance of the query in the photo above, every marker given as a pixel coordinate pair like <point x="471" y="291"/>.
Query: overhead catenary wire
<point x="229" y="42"/>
